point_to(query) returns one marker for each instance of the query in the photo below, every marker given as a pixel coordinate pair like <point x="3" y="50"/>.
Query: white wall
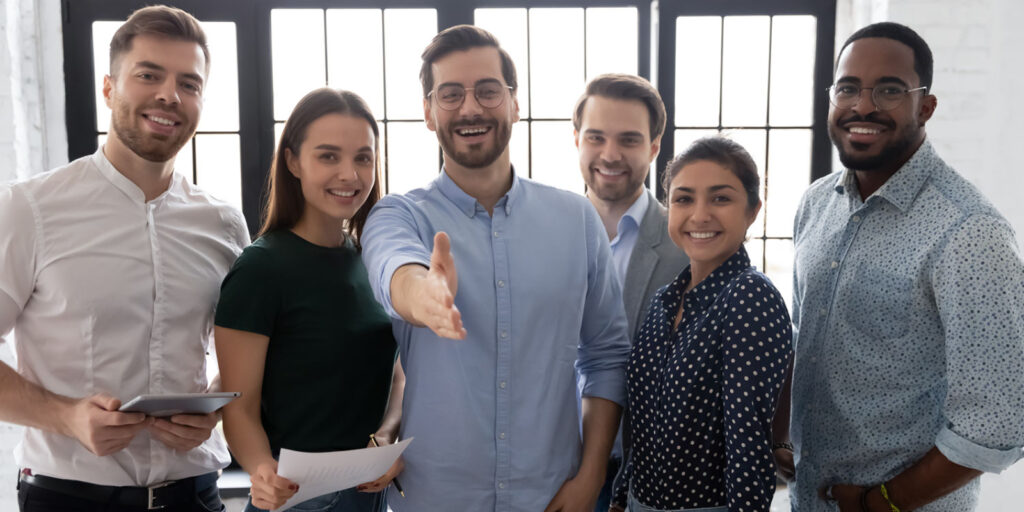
<point x="979" y="81"/>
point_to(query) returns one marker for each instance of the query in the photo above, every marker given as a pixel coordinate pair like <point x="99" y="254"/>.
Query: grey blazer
<point x="655" y="262"/>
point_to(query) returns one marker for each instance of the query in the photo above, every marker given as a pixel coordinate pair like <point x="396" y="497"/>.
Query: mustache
<point x="473" y="121"/>
<point x="873" y="117"/>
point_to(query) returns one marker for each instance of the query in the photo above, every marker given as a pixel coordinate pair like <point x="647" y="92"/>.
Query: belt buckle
<point x="150" y="497"/>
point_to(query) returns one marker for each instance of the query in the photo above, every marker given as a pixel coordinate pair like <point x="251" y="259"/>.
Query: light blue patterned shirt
<point x="495" y="416"/>
<point x="908" y="331"/>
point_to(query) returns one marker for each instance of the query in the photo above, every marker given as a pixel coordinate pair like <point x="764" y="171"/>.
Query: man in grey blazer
<point x="618" y="123"/>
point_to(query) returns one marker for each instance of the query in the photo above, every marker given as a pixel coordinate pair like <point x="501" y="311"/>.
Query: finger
<point x="173" y="441"/>
<point x="105" y="402"/>
<point x="200" y="421"/>
<point x="182" y="431"/>
<point x="442" y="253"/>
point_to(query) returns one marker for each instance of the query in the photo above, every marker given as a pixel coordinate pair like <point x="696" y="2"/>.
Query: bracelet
<point x="885" y="494"/>
<point x="784" y="445"/>
<point x="864" y="499"/>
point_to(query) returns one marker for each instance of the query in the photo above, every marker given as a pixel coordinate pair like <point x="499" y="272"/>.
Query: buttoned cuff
<point x="608" y="384"/>
<point x="967" y="453"/>
<point x="393" y="264"/>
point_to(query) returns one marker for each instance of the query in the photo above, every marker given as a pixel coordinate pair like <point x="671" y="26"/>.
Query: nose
<point x="168" y="92"/>
<point x="701" y="211"/>
<point x="347" y="171"/>
<point x="865" y="105"/>
<point x="470" y="107"/>
<point x="610" y="152"/>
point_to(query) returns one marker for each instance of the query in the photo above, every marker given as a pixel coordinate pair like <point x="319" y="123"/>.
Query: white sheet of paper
<point x="321" y="473"/>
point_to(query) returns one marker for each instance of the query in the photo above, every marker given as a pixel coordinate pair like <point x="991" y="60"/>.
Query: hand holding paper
<point x="321" y="473"/>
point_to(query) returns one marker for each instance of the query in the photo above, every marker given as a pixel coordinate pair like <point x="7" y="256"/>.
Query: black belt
<point x="154" y="497"/>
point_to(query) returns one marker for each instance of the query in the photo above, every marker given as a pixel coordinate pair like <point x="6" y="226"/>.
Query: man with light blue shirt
<point x="491" y="365"/>
<point x="618" y="123"/>
<point x="909" y="293"/>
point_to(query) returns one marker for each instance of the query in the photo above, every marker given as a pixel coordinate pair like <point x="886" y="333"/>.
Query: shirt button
<point x="822" y="312"/>
<point x="495" y="234"/>
<point x="501" y="435"/>
<point x="835" y="264"/>
<point x="504" y="334"/>
<point x="856" y="218"/>
<point x="502" y="385"/>
<point x="501" y="284"/>
<point x="501" y="485"/>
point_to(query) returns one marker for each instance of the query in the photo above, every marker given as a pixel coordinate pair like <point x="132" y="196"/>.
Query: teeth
<point x="864" y="131"/>
<point x="699" y="235"/>
<point x="472" y="131"/>
<point x="342" y="193"/>
<point x="160" y="120"/>
<point x="610" y="173"/>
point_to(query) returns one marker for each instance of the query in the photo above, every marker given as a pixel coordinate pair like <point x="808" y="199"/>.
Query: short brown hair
<point x="461" y="38"/>
<point x="620" y="86"/>
<point x="162" y="21"/>
<point x="285" y="202"/>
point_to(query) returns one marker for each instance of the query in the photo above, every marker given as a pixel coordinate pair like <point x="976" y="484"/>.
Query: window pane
<point x="183" y="162"/>
<point x="509" y="26"/>
<point x="412" y="157"/>
<point x="297" y="50"/>
<point x="555" y="160"/>
<point x="220" y="96"/>
<point x="407" y="32"/>
<point x="793" y="46"/>
<point x="519" y="148"/>
<point x="611" y="40"/>
<point x="219" y="167"/>
<point x="683" y="138"/>
<point x="779" y="267"/>
<point x="789" y="173"/>
<point x="102" y="32"/>
<point x="556" y="61"/>
<point x="755" y="250"/>
<point x="698" y="70"/>
<point x="745" y="71"/>
<point x="355" y="54"/>
<point x="754" y="142"/>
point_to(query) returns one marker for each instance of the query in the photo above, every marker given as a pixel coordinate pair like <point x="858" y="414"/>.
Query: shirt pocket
<point x="879" y="302"/>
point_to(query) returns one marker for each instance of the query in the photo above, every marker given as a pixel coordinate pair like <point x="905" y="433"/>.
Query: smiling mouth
<point x="860" y="130"/>
<point x="471" y="132"/>
<point x="161" y="120"/>
<point x="609" y="172"/>
<point x="703" y="235"/>
<point x="343" y="193"/>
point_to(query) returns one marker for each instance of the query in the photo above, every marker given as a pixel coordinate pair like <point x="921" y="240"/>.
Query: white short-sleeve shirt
<point x="113" y="294"/>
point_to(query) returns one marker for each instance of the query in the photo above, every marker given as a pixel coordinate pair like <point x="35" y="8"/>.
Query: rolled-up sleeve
<point x="978" y="284"/>
<point x="390" y="240"/>
<point x="18" y="226"/>
<point x="604" y="348"/>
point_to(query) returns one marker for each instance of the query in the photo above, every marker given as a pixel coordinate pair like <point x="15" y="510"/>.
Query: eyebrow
<point x="631" y="133"/>
<point x="882" y="80"/>
<point x="156" y="67"/>
<point x="332" y="147"/>
<point x="713" y="188"/>
<point x="478" y="82"/>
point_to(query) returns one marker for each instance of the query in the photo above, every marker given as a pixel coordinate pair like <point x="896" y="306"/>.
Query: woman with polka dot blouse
<point x="709" y="361"/>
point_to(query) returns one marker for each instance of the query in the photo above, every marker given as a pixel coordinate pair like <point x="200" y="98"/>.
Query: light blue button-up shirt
<point x="908" y="332"/>
<point x="626" y="233"/>
<point x="494" y="416"/>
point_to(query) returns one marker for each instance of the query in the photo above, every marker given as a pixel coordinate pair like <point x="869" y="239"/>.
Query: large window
<point x="755" y="71"/>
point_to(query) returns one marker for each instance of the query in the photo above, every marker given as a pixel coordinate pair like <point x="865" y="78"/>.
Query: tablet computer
<point x="184" y="403"/>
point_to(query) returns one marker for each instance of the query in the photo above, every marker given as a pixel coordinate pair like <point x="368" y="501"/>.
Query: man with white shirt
<point x="110" y="274"/>
<point x="618" y="123"/>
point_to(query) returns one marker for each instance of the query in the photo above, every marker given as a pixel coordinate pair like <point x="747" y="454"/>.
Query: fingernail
<point x="361" y="488"/>
<point x="294" y="487"/>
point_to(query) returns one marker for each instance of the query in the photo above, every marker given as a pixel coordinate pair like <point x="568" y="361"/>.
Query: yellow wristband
<point x="885" y="494"/>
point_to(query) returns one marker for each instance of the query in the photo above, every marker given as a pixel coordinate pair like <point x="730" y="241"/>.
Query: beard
<point x="904" y="139"/>
<point x="153" y="147"/>
<point x="477" y="155"/>
<point x="613" y="193"/>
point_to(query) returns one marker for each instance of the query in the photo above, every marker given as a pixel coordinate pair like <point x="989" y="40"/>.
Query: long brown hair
<point x="285" y="202"/>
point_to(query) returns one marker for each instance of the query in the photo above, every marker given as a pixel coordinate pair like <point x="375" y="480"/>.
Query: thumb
<point x="105" y="402"/>
<point x="442" y="250"/>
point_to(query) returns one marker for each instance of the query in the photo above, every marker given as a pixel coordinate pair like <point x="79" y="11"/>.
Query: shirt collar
<point x="708" y="289"/>
<point x="635" y="213"/>
<point x="903" y="186"/>
<point x="127" y="186"/>
<point x="467" y="204"/>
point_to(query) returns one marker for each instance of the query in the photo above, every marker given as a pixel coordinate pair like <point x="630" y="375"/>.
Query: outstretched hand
<point x="434" y="302"/>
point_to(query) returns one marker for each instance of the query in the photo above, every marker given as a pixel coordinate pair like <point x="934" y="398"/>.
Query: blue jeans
<point x="636" y="506"/>
<point x="349" y="500"/>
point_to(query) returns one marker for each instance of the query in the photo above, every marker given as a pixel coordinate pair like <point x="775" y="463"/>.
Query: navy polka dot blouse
<point x="702" y="396"/>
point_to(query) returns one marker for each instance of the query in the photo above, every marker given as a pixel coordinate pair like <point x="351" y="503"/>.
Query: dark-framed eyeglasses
<point x="490" y="94"/>
<point x="885" y="97"/>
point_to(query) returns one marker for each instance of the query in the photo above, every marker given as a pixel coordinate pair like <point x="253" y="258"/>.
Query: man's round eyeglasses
<point x="885" y="97"/>
<point x="487" y="94"/>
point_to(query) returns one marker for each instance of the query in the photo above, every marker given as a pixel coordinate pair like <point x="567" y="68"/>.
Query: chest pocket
<point x="878" y="302"/>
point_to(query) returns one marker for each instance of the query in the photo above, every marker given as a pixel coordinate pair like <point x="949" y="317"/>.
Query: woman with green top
<point x="298" y="331"/>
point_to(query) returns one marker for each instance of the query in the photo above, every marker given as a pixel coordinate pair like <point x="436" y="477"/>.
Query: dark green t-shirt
<point x="331" y="351"/>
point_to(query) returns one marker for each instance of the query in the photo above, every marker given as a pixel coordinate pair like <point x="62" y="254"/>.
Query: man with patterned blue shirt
<point x="908" y="299"/>
<point x="491" y="352"/>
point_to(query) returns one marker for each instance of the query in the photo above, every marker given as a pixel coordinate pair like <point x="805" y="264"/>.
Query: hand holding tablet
<point x="184" y="403"/>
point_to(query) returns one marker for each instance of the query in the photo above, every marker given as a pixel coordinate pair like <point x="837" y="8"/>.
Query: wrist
<point x="63" y="419"/>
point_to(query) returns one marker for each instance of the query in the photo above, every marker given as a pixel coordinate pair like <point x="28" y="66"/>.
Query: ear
<point x="428" y="115"/>
<point x="515" y="107"/>
<point x="655" y="149"/>
<point x="108" y="85"/>
<point x="293" y="163"/>
<point x="927" y="108"/>
<point x="576" y="137"/>
<point x="753" y="214"/>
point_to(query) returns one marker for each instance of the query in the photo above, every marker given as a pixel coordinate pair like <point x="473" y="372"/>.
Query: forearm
<point x="929" y="479"/>
<point x="247" y="439"/>
<point x="780" y="422"/>
<point x="600" y="423"/>
<point x="393" y="415"/>
<point x="25" y="403"/>
<point x="404" y="282"/>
